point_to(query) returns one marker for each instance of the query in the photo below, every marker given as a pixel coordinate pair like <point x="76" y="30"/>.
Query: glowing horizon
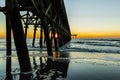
<point x="79" y="34"/>
<point x="87" y="19"/>
<point x="98" y="35"/>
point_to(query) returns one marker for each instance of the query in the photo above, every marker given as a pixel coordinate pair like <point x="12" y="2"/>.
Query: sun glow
<point x="97" y="35"/>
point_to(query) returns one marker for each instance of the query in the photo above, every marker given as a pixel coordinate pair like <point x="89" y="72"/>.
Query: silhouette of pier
<point x="73" y="36"/>
<point x="48" y="15"/>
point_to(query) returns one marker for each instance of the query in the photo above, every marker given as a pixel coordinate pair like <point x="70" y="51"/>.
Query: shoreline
<point x="78" y="65"/>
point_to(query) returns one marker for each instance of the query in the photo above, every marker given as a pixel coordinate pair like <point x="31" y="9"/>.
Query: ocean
<point x="80" y="59"/>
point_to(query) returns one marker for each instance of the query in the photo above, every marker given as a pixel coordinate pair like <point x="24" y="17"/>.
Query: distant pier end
<point x="73" y="36"/>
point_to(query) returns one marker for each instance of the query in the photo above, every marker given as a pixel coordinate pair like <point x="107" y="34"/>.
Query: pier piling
<point x="41" y="37"/>
<point x="19" y="38"/>
<point x="47" y="37"/>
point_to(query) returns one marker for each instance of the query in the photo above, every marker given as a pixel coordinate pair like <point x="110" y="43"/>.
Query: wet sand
<point x="66" y="66"/>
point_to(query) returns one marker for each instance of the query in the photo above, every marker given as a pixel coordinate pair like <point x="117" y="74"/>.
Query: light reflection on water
<point x="69" y="66"/>
<point x="94" y="66"/>
<point x="44" y="67"/>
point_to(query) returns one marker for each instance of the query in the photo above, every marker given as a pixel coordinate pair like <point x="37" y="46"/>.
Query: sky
<point x="87" y="18"/>
<point x="94" y="18"/>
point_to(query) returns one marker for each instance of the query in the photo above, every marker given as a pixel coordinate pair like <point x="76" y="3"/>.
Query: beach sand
<point x="66" y="66"/>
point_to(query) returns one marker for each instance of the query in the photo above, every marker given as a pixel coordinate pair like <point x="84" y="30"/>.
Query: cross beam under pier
<point x="51" y="17"/>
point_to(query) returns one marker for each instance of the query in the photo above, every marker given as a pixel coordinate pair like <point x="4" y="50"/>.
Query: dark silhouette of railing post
<point x="19" y="38"/>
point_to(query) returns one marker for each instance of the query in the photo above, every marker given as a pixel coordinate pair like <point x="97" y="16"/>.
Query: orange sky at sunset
<point x="87" y="19"/>
<point x="79" y="34"/>
<point x="98" y="35"/>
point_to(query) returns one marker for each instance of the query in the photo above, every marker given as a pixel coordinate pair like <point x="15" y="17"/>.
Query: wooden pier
<point x="48" y="15"/>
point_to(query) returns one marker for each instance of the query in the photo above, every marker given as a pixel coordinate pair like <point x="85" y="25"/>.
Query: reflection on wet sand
<point x="52" y="69"/>
<point x="48" y="68"/>
<point x="25" y="77"/>
<point x="8" y="69"/>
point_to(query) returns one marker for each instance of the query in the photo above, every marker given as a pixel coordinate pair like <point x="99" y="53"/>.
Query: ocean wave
<point x="100" y="44"/>
<point x="102" y="39"/>
<point x="2" y="49"/>
<point x="113" y="43"/>
<point x="95" y="45"/>
<point x="79" y="45"/>
<point x="110" y="58"/>
<point x="91" y="50"/>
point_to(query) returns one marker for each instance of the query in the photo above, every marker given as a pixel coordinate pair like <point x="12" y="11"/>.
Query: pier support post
<point x="8" y="31"/>
<point x="59" y="39"/>
<point x="8" y="43"/>
<point x="55" y="39"/>
<point x="26" y="25"/>
<point x="8" y="35"/>
<point x="8" y="47"/>
<point x="47" y="38"/>
<point x="41" y="37"/>
<point x="34" y="35"/>
<point x="19" y="38"/>
<point x="51" y="36"/>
